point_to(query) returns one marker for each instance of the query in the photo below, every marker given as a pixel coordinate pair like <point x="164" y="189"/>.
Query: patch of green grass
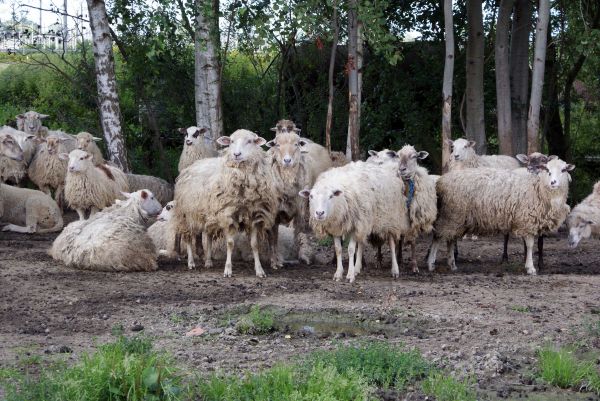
<point x="522" y="309"/>
<point x="447" y="388"/>
<point x="561" y="368"/>
<point x="381" y="364"/>
<point x="127" y="369"/>
<point x="326" y="241"/>
<point x="256" y="322"/>
<point x="593" y="328"/>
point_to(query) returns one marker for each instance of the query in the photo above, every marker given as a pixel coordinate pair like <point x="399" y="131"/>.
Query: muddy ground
<point x="486" y="320"/>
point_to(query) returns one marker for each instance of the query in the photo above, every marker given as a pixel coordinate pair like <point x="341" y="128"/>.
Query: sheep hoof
<point x="191" y="266"/>
<point x="431" y="268"/>
<point x="531" y="272"/>
<point x="337" y="277"/>
<point x="261" y="274"/>
<point x="395" y="274"/>
<point x="208" y="264"/>
<point x="350" y="279"/>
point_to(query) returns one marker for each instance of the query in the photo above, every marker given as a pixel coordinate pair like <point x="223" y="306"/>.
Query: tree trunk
<point x="537" y="79"/>
<point x="207" y="69"/>
<point x="108" y="97"/>
<point x="474" y="90"/>
<point x="334" y="43"/>
<point x="447" y="85"/>
<point x="352" y="67"/>
<point x="553" y="130"/>
<point x="503" y="78"/>
<point x="519" y="73"/>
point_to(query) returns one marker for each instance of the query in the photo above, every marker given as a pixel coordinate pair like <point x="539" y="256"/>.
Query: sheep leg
<point x="359" y="257"/>
<point x="505" y="252"/>
<point x="451" y="260"/>
<point x="273" y="243"/>
<point x="19" y="229"/>
<point x="81" y="214"/>
<point x="433" y="249"/>
<point x="540" y="252"/>
<point x="93" y="211"/>
<point x="59" y="197"/>
<point x="400" y="245"/>
<point x="337" y="242"/>
<point x="529" y="261"/>
<point x="207" y="247"/>
<point x="395" y="268"/>
<point x="229" y="239"/>
<point x="190" y="254"/>
<point x="351" y="251"/>
<point x="413" y="257"/>
<point x="254" y="245"/>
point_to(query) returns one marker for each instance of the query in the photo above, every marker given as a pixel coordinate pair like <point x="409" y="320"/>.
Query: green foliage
<point x="446" y="388"/>
<point x="127" y="369"/>
<point x="561" y="368"/>
<point x="256" y="322"/>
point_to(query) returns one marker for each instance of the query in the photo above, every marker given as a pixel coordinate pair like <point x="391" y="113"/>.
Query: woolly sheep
<point x="285" y="127"/>
<point x="488" y="201"/>
<point x="162" y="190"/>
<point x="358" y="200"/>
<point x="584" y="220"/>
<point x="162" y="232"/>
<point x="87" y="142"/>
<point x="338" y="159"/>
<point x="222" y="196"/>
<point x="114" y="239"/>
<point x="198" y="144"/>
<point x="31" y="123"/>
<point x="10" y="148"/>
<point x="47" y="170"/>
<point x="88" y="186"/>
<point x="16" y="170"/>
<point x="464" y="156"/>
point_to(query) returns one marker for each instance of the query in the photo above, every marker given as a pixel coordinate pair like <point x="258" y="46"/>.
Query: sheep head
<point x="580" y="227"/>
<point x="408" y="160"/>
<point x="243" y="145"/>
<point x="555" y="173"/>
<point x="322" y="201"/>
<point x="146" y="201"/>
<point x="10" y="148"/>
<point x="462" y="149"/>
<point x="286" y="148"/>
<point x="285" y="126"/>
<point x="79" y="160"/>
<point x="84" y="139"/>
<point x="195" y="136"/>
<point x="382" y="157"/>
<point x="30" y="122"/>
<point x="167" y="212"/>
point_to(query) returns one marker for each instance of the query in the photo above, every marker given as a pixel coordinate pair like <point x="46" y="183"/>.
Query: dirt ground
<point x="486" y="320"/>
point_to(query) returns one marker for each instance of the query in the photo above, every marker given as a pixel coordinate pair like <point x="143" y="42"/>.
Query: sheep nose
<point x="455" y="157"/>
<point x="320" y="213"/>
<point x="237" y="154"/>
<point x="553" y="182"/>
<point x="287" y="160"/>
<point x="402" y="169"/>
<point x="71" y="168"/>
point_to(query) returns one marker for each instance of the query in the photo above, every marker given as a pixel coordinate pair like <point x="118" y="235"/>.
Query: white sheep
<point x="47" y="170"/>
<point x="358" y="200"/>
<point x="87" y="142"/>
<point x="490" y="201"/>
<point x="9" y="147"/>
<point x="114" y="239"/>
<point x="88" y="186"/>
<point x="223" y="196"/>
<point x="162" y="190"/>
<point x="31" y="123"/>
<point x="198" y="144"/>
<point x="162" y="232"/>
<point x="16" y="170"/>
<point x="584" y="220"/>
<point x="464" y="156"/>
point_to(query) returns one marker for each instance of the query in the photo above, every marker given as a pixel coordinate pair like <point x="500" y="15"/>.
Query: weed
<point x="256" y="322"/>
<point x="522" y="309"/>
<point x="447" y="388"/>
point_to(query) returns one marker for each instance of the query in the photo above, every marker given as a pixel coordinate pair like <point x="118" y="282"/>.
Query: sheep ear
<point x="552" y="157"/>
<point x="570" y="167"/>
<point x="20" y="116"/>
<point x="297" y="130"/>
<point x="31" y="137"/>
<point x="449" y="142"/>
<point x="260" y="141"/>
<point x="372" y="153"/>
<point x="303" y="142"/>
<point x="43" y="116"/>
<point x="472" y="143"/>
<point x="274" y="129"/>
<point x="95" y="138"/>
<point x="305" y="193"/>
<point x="182" y="131"/>
<point x="271" y="143"/>
<point x="127" y="195"/>
<point x="590" y="222"/>
<point x="422" y="155"/>
<point x="144" y="194"/>
<point x="224" y="141"/>
<point x="63" y="156"/>
<point x="522" y="158"/>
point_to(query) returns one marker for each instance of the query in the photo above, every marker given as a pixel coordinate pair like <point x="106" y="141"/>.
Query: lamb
<point x="464" y="156"/>
<point x="162" y="232"/>
<point x="88" y="186"/>
<point x="114" y="239"/>
<point x="162" y="190"/>
<point x="238" y="192"/>
<point x="338" y="159"/>
<point x="584" y="220"/>
<point x="198" y="145"/>
<point x="47" y="170"/>
<point x="16" y="170"/>
<point x="87" y="142"/>
<point x="358" y="200"/>
<point x="488" y="201"/>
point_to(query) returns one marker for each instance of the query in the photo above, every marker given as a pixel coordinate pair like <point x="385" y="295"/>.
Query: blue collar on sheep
<point x="410" y="191"/>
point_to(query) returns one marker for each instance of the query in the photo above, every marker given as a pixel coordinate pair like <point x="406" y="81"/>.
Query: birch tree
<point x="353" y="68"/>
<point x="447" y="84"/>
<point x="336" y="31"/>
<point x="474" y="68"/>
<point x="503" y="108"/>
<point x="108" y="97"/>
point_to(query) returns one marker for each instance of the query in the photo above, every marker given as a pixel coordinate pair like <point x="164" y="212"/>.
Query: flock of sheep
<point x="242" y="203"/>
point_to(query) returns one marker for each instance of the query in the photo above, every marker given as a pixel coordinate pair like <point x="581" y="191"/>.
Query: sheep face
<point x="408" y="160"/>
<point x="79" y="160"/>
<point x="10" y="148"/>
<point x="84" y="139"/>
<point x="462" y="149"/>
<point x="242" y="145"/>
<point x="535" y="161"/>
<point x="322" y="202"/>
<point x="579" y="228"/>
<point x="195" y="136"/>
<point x="52" y="144"/>
<point x="31" y="121"/>
<point x="381" y="157"/>
<point x="146" y="200"/>
<point x="167" y="212"/>
<point x="285" y="126"/>
<point x="556" y="173"/>
<point x="286" y="148"/>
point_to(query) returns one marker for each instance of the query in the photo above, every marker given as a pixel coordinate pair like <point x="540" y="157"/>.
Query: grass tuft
<point x="447" y="388"/>
<point x="256" y="322"/>
<point x="561" y="368"/>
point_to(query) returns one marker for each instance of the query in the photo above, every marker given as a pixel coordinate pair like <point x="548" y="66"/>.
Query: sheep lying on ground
<point x="114" y="239"/>
<point x="489" y="201"/>
<point x="88" y="186"/>
<point x="47" y="170"/>
<point x="198" y="144"/>
<point x="584" y="221"/>
<point x="10" y="148"/>
<point x="225" y="195"/>
<point x="162" y="190"/>
<point x="358" y="200"/>
<point x="16" y="170"/>
<point x="464" y="156"/>
<point x="87" y="143"/>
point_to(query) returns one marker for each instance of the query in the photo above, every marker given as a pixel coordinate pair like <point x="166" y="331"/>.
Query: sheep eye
<point x="81" y="158"/>
<point x="249" y="142"/>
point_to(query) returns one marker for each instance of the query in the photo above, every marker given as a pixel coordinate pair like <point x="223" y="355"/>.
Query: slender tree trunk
<point x="352" y="67"/>
<point x="503" y="78"/>
<point x="334" y="43"/>
<point x="108" y="97"/>
<point x="207" y="69"/>
<point x="553" y="130"/>
<point x="537" y="79"/>
<point x="447" y="85"/>
<point x="474" y="90"/>
<point x="519" y="73"/>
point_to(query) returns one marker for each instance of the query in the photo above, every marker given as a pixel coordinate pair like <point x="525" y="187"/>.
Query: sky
<point x="74" y="7"/>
